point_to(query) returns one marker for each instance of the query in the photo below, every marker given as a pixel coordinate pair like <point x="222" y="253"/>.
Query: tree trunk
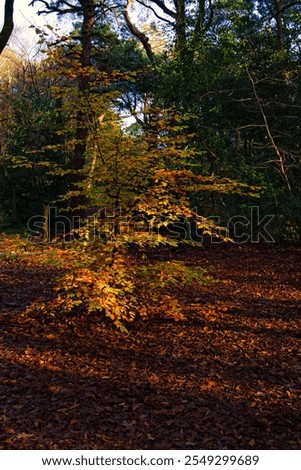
<point x="136" y="32"/>
<point x="8" y="25"/>
<point x="13" y="194"/>
<point x="83" y="120"/>
<point x="180" y="26"/>
<point x="278" y="18"/>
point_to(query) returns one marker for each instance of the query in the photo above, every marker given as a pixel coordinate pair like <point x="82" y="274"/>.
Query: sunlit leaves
<point x="106" y="280"/>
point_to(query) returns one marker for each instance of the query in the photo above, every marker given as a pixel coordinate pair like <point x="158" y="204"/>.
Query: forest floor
<point x="226" y="377"/>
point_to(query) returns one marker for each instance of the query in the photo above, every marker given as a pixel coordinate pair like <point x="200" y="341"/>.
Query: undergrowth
<point x="106" y="279"/>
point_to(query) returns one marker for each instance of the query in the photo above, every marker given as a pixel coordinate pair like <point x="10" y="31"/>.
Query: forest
<point x="150" y="226"/>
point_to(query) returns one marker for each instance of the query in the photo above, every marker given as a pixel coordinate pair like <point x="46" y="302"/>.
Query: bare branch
<point x="136" y="32"/>
<point x="281" y="157"/>
<point x="164" y="8"/>
<point x="285" y="7"/>
<point x="155" y="13"/>
<point x="54" y="9"/>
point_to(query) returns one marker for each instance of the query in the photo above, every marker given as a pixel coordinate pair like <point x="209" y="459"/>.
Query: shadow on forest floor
<point x="227" y="377"/>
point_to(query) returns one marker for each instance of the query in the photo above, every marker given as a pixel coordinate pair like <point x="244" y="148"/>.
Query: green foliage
<point x="29" y="136"/>
<point x="241" y="81"/>
<point x="165" y="273"/>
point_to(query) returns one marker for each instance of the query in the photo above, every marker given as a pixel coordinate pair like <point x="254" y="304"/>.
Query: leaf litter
<point x="228" y="376"/>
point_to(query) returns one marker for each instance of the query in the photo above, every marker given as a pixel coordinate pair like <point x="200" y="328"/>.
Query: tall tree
<point x="30" y="124"/>
<point x="86" y="11"/>
<point x="8" y="24"/>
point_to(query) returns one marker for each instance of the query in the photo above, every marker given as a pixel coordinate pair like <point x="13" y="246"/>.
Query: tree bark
<point x="13" y="194"/>
<point x="82" y="120"/>
<point x="136" y="32"/>
<point x="180" y="26"/>
<point x="86" y="9"/>
<point x="278" y="18"/>
<point x="8" y="24"/>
